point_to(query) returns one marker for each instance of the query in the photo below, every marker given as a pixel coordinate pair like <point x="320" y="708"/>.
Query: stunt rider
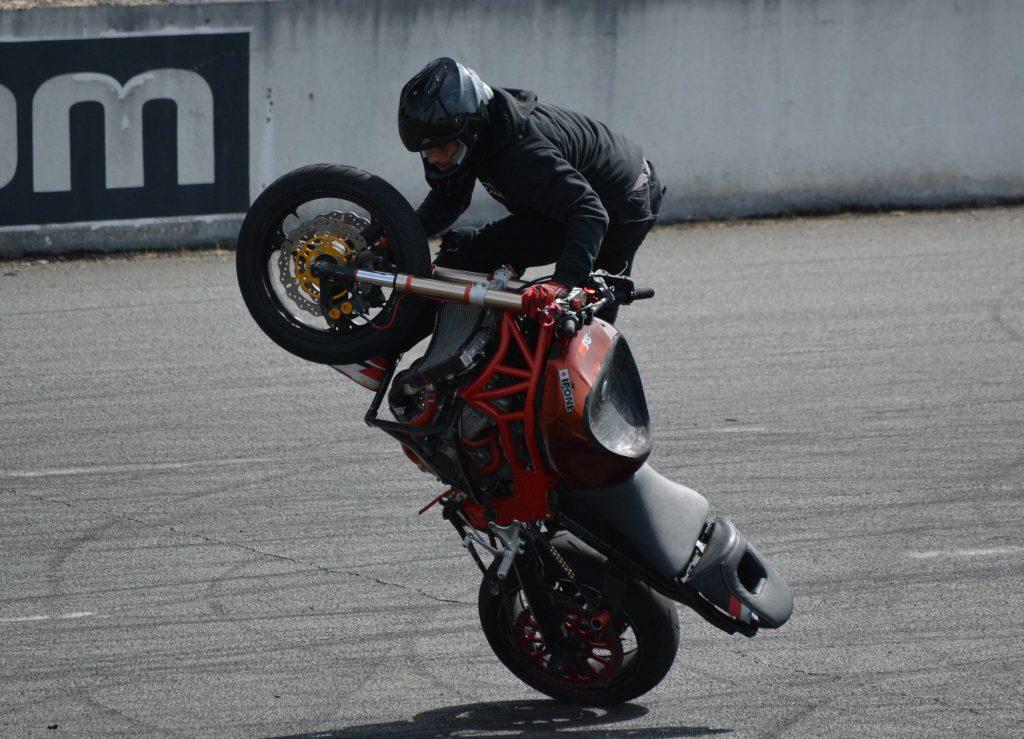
<point x="579" y="195"/>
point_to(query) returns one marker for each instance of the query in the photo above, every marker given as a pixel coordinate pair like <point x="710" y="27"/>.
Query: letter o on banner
<point x="8" y="136"/>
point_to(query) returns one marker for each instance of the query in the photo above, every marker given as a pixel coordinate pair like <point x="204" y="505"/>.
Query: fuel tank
<point x="594" y="425"/>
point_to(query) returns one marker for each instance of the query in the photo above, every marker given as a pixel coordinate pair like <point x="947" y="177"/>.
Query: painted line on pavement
<point x="63" y="616"/>
<point x="991" y="552"/>
<point x="119" y="468"/>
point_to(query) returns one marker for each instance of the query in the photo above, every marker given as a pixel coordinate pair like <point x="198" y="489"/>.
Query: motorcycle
<point x="537" y="428"/>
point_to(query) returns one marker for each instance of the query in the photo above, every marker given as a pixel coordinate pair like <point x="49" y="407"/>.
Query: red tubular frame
<point x="532" y="481"/>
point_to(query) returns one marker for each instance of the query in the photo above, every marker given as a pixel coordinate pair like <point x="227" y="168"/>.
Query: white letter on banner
<point x="8" y="136"/>
<point x="122" y="107"/>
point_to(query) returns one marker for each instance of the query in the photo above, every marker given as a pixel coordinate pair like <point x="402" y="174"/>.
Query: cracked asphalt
<point x="200" y="537"/>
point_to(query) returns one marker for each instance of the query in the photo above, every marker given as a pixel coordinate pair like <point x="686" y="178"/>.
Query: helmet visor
<point x="418" y="135"/>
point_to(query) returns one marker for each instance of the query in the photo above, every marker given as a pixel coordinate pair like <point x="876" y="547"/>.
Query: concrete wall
<point x="748" y="107"/>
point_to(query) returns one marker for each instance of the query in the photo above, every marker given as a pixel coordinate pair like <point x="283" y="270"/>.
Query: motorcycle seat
<point x="660" y="520"/>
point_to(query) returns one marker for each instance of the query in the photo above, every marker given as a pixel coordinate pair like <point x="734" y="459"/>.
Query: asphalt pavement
<point x="200" y="537"/>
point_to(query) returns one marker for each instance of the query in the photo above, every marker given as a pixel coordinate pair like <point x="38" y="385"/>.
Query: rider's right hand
<point x="539" y="297"/>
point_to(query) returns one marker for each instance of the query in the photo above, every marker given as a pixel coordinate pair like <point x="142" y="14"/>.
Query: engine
<point x="457" y="442"/>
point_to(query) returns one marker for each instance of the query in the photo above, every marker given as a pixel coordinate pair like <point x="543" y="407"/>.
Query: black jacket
<point x="537" y="158"/>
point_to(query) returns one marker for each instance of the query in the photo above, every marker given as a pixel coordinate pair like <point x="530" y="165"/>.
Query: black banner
<point x="123" y="128"/>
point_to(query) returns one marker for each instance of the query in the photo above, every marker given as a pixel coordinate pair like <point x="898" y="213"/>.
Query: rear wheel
<point x="611" y="660"/>
<point x="337" y="214"/>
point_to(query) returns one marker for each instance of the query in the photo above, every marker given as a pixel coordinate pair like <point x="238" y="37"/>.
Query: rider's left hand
<point x="539" y="297"/>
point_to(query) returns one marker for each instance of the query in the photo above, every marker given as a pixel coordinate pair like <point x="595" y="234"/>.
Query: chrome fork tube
<point x="470" y="293"/>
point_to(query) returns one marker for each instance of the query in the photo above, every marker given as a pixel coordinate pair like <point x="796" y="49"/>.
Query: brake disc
<point x="334" y="237"/>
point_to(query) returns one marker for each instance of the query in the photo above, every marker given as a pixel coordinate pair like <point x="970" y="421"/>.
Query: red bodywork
<point x="575" y="456"/>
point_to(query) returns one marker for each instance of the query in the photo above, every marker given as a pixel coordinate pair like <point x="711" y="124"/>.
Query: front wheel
<point x="341" y="215"/>
<point x="610" y="661"/>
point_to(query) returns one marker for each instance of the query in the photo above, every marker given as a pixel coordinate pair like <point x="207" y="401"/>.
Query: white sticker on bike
<point x="567" y="395"/>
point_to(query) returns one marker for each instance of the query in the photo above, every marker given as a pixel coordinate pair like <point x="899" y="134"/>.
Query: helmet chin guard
<point x="438" y="177"/>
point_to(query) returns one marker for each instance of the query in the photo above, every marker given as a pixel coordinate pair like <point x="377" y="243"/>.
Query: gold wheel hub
<point x="330" y="237"/>
<point x="321" y="247"/>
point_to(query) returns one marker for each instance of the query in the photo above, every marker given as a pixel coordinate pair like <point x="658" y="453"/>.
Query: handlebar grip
<point x="643" y="293"/>
<point x="567" y="326"/>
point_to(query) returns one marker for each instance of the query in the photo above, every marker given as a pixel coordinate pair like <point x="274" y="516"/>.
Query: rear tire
<point x="615" y="664"/>
<point x="292" y="319"/>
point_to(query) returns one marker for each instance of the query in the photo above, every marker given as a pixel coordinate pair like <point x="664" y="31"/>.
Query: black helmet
<point x="445" y="101"/>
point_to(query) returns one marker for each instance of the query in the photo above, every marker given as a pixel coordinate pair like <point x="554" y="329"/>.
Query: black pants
<point x="528" y="240"/>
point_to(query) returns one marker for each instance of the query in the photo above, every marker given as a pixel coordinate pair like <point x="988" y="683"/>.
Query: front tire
<point x="320" y="212"/>
<point x="623" y="660"/>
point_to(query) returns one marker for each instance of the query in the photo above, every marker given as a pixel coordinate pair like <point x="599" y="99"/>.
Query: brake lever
<point x="620" y="289"/>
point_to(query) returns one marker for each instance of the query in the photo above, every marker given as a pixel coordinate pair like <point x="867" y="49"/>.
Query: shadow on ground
<point x="513" y="719"/>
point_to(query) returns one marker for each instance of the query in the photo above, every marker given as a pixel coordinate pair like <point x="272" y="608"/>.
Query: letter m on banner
<point x="122" y="106"/>
<point x="123" y="128"/>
